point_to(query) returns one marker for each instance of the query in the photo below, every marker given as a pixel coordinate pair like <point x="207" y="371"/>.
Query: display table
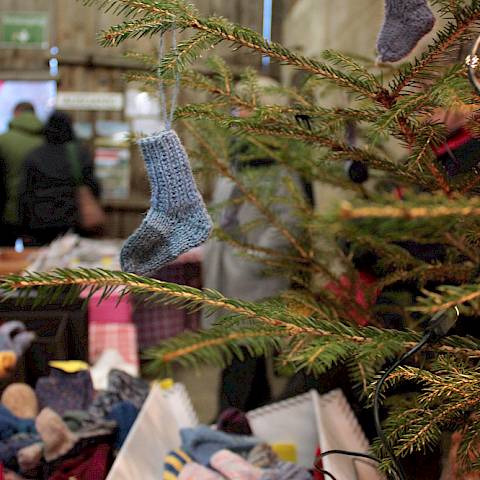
<point x="63" y="330"/>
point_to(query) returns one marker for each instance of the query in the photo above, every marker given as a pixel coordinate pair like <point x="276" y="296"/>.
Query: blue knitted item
<point x="405" y="23"/>
<point x="177" y="220"/>
<point x="125" y="414"/>
<point x="202" y="442"/>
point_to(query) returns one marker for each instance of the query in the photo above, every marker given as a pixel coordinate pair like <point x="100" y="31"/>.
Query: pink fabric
<point x="195" y="471"/>
<point x="157" y="322"/>
<point x="234" y="467"/>
<point x="109" y="310"/>
<point x="119" y="336"/>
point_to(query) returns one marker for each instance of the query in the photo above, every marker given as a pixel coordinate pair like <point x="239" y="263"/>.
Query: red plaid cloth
<point x="156" y="322"/>
<point x="119" y="336"/>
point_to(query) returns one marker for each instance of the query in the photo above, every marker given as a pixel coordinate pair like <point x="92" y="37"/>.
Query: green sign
<point x="24" y="29"/>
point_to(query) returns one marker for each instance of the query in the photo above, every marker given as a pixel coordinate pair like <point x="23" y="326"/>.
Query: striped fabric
<point x="174" y="462"/>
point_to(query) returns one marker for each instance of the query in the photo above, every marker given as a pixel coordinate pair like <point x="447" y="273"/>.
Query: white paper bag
<point x="338" y="428"/>
<point x="290" y="421"/>
<point x="154" y="434"/>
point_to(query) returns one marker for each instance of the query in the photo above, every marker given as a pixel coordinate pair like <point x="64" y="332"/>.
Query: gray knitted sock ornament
<point x="405" y="23"/>
<point x="177" y="220"/>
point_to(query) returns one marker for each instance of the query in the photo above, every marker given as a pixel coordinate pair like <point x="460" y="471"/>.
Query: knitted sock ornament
<point x="405" y="23"/>
<point x="177" y="220"/>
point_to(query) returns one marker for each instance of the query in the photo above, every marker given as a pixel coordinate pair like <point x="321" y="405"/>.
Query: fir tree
<point x="309" y="328"/>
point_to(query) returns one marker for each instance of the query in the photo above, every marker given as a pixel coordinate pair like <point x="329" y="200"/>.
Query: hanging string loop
<point x="165" y="115"/>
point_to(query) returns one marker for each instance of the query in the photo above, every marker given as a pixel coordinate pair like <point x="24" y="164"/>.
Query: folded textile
<point x="109" y="359"/>
<point x="124" y="414"/>
<point x="62" y="391"/>
<point x="30" y="457"/>
<point x="10" y="447"/>
<point x="91" y="464"/>
<point x="175" y="461"/>
<point x="58" y="440"/>
<point x="262" y="456"/>
<point x="85" y="424"/>
<point x="121" y="387"/>
<point x="202" y="442"/>
<point x="21" y="400"/>
<point x="10" y="424"/>
<point x="234" y="467"/>
<point x="56" y="436"/>
<point x="233" y="420"/>
<point x="195" y="471"/>
<point x="286" y="471"/>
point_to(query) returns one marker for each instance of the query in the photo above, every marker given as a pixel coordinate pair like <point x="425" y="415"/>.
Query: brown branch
<point x="444" y="306"/>
<point x="350" y="212"/>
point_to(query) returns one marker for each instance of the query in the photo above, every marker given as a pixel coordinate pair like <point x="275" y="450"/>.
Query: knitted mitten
<point x="405" y="23"/>
<point x="21" y="400"/>
<point x="56" y="437"/>
<point x="177" y="220"/>
<point x="30" y="457"/>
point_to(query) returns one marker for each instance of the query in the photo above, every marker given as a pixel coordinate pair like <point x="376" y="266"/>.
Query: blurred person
<point x="51" y="176"/>
<point x="244" y="384"/>
<point x="24" y="135"/>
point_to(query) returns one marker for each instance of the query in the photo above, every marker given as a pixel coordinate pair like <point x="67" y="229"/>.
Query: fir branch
<point x="272" y="219"/>
<point x="465" y="19"/>
<point x="163" y="16"/>
<point x="48" y="285"/>
<point x="213" y="340"/>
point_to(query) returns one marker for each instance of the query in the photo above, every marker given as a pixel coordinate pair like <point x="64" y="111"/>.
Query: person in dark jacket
<point x="52" y="173"/>
<point x="24" y="135"/>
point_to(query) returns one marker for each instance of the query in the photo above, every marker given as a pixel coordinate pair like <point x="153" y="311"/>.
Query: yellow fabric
<point x="8" y="361"/>
<point x="287" y="452"/>
<point x="183" y="455"/>
<point x="169" y="476"/>
<point x="166" y="383"/>
<point x="69" y="366"/>
<point x="174" y="462"/>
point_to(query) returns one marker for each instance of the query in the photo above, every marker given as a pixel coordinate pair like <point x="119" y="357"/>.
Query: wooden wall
<point x="86" y="66"/>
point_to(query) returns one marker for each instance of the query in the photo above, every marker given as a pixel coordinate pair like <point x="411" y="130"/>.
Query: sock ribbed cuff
<point x="167" y="162"/>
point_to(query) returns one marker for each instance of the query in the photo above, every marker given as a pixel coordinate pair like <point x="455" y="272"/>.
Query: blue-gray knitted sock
<point x="405" y="23"/>
<point x="177" y="220"/>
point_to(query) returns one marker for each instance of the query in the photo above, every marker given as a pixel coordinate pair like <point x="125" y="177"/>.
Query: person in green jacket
<point x="24" y="135"/>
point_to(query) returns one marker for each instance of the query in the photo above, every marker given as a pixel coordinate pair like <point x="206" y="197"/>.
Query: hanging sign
<point x="24" y="29"/>
<point x="95" y="101"/>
